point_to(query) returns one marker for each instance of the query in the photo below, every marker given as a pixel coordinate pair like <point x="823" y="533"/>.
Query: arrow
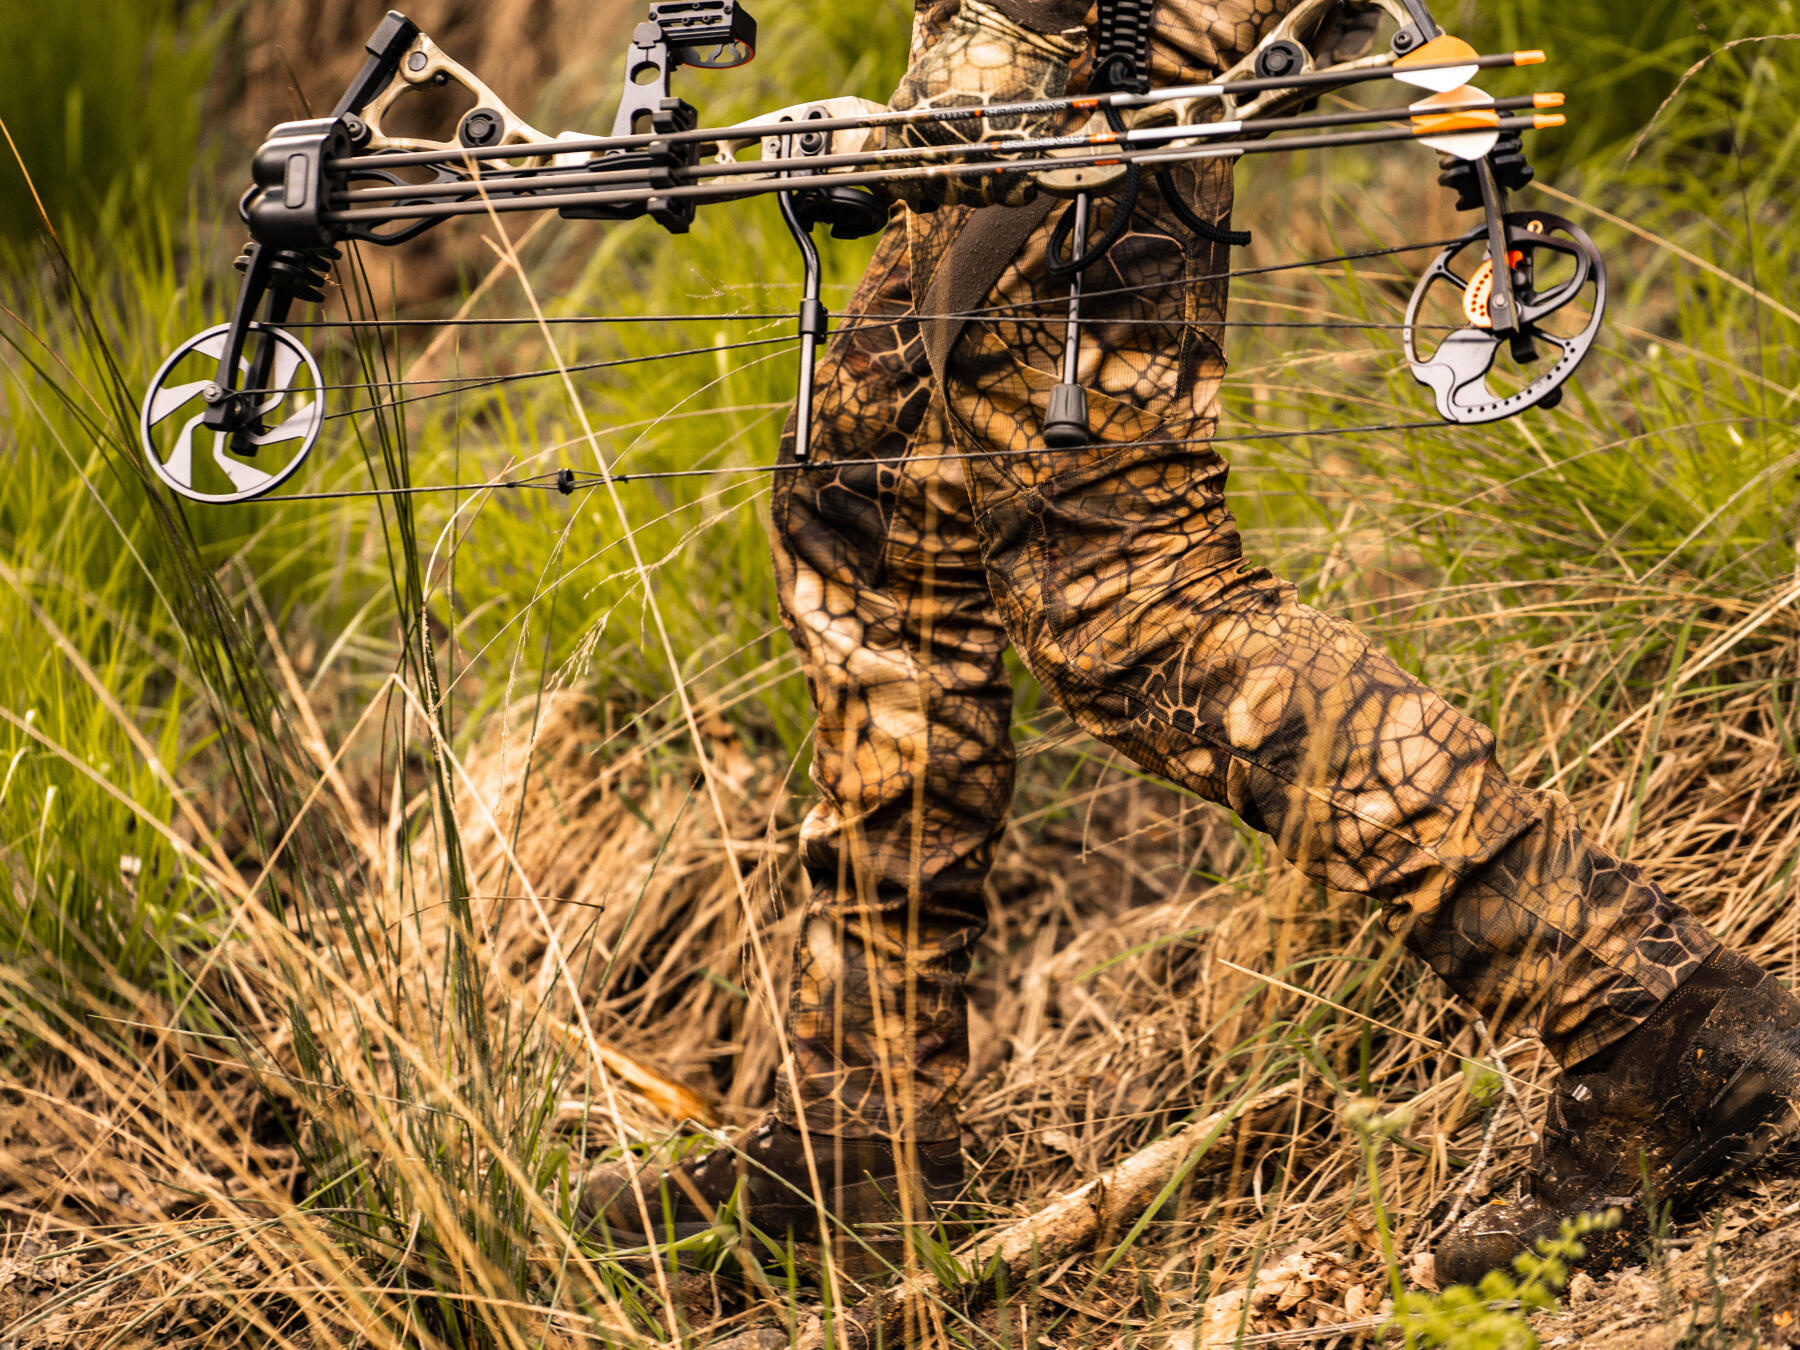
<point x="1457" y="68"/>
<point x="726" y="192"/>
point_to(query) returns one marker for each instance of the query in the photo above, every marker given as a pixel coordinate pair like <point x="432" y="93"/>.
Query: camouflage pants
<point x="920" y="540"/>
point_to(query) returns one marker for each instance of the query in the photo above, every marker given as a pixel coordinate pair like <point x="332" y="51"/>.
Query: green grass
<point x="98" y="689"/>
<point x="72" y="72"/>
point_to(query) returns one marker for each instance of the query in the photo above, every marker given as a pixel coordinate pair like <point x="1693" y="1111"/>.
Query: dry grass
<point x="152" y="1189"/>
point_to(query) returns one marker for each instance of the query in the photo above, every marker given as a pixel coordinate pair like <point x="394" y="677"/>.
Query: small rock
<point x="1582" y="1288"/>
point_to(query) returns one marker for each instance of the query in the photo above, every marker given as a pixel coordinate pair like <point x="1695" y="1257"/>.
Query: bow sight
<point x="352" y="178"/>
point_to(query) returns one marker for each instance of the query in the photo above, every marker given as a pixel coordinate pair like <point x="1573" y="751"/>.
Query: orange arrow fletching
<point x="1456" y="63"/>
<point x="1469" y="119"/>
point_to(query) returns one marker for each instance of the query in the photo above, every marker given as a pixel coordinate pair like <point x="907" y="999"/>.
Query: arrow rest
<point x="1552" y="267"/>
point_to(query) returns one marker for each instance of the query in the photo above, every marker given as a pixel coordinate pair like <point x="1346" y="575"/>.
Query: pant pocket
<point x="1088" y="535"/>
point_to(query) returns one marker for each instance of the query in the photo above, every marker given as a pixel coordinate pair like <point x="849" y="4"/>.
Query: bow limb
<point x="489" y="123"/>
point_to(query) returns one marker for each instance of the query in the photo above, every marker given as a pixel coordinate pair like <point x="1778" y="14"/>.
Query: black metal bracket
<point x="1503" y="306"/>
<point x="1416" y="34"/>
<point x="656" y="165"/>
<point x="848" y="212"/>
<point x="679" y="33"/>
<point x="286" y="205"/>
<point x="705" y="34"/>
<point x="273" y="279"/>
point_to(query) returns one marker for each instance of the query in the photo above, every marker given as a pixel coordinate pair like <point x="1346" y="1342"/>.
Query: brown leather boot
<point x="872" y="1191"/>
<point x="1703" y="1090"/>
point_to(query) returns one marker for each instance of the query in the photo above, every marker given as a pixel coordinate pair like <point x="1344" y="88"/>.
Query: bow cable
<point x="1001" y="310"/>
<point x="865" y="320"/>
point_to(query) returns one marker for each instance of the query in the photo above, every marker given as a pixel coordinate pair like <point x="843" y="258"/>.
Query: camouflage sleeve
<point x="983" y="57"/>
<point x="1044" y="16"/>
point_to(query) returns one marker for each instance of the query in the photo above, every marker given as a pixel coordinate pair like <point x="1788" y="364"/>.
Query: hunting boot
<point x="872" y="1192"/>
<point x="1701" y="1091"/>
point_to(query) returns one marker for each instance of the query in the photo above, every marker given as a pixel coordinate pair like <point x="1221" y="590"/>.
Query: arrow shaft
<point x="728" y="192"/>
<point x="1336" y="78"/>
<point x="546" y="181"/>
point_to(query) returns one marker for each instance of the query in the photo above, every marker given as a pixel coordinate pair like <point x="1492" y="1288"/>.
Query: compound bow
<point x="338" y="179"/>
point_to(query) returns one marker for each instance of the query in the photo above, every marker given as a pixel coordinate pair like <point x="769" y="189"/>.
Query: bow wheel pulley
<point x="1558" y="298"/>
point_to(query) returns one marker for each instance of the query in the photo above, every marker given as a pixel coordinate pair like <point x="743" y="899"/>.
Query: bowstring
<point x="560" y="481"/>
<point x="860" y="319"/>
<point x="567" y="482"/>
<point x="863" y="320"/>
<point x="1055" y="303"/>
<point x="464" y="384"/>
